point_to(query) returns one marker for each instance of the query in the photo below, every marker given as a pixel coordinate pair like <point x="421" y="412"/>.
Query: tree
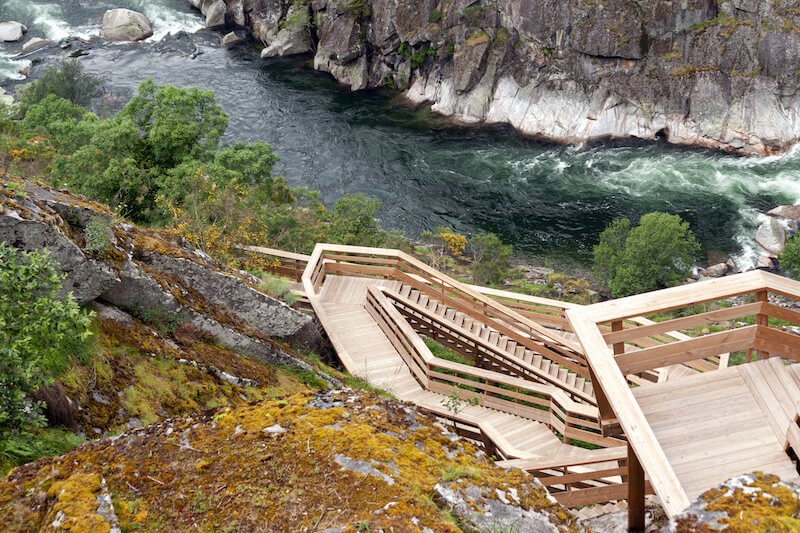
<point x="352" y="221"/>
<point x="658" y="253"/>
<point x="608" y="253"/>
<point x="68" y="81"/>
<point x="176" y="123"/>
<point x="40" y="332"/>
<point x="790" y="258"/>
<point x="490" y="259"/>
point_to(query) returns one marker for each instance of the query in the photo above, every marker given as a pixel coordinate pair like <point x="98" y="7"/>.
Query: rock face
<point x="12" y="31"/>
<point x="126" y="25"/>
<point x="34" y="44"/>
<point x="718" y="74"/>
<point x="144" y="271"/>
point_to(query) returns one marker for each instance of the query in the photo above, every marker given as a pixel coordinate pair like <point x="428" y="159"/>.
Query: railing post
<point x="762" y="319"/>
<point x="619" y="348"/>
<point x="636" y="490"/>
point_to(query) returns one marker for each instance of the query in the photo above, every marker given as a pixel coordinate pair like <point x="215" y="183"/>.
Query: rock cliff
<point x="717" y="74"/>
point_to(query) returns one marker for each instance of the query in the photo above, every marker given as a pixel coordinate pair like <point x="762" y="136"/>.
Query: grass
<point x="441" y="351"/>
<point x="23" y="447"/>
<point x="276" y="286"/>
<point x="460" y="472"/>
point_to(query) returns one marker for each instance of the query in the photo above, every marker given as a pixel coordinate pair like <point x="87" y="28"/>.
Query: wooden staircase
<point x="489" y="348"/>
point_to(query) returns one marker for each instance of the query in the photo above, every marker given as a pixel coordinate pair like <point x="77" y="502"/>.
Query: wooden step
<point x="493" y="337"/>
<point x="580" y="383"/>
<point x="562" y="374"/>
<point x="414" y="296"/>
<point x="503" y="343"/>
<point x="545" y="365"/>
<point x="405" y="290"/>
<point x="520" y="353"/>
<point x="571" y="379"/>
<point x="423" y="300"/>
<point x="537" y="359"/>
<point x="450" y="313"/>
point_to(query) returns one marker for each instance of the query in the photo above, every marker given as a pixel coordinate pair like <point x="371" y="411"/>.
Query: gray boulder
<point x="716" y="271"/>
<point x="791" y="212"/>
<point x="765" y="263"/>
<point x="771" y="237"/>
<point x="34" y="44"/>
<point x="215" y="15"/>
<point x="125" y="25"/>
<point x="12" y="31"/>
<point x="232" y="39"/>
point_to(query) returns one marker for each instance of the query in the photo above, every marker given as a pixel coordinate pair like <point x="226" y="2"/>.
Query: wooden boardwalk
<point x="373" y="357"/>
<point x="671" y="417"/>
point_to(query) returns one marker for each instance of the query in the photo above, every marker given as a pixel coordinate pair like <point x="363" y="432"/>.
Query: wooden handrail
<point x="514" y="365"/>
<point x="620" y="397"/>
<point x="511" y="394"/>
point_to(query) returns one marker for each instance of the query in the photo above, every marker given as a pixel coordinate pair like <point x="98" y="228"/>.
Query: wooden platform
<point x="718" y="425"/>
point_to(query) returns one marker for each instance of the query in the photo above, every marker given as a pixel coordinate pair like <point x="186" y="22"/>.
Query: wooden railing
<point x="610" y="365"/>
<point x="286" y="264"/>
<point x="596" y="476"/>
<point x="397" y="265"/>
<point x="479" y="348"/>
<point x="542" y="403"/>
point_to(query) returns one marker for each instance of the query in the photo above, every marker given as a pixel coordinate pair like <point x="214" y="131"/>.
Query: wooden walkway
<point x="671" y="416"/>
<point x="373" y="357"/>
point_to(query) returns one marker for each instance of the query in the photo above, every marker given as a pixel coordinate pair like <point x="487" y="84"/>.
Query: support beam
<point x="636" y="492"/>
<point x="762" y="319"/>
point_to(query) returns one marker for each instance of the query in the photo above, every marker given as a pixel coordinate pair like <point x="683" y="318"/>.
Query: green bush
<point x="68" y="81"/>
<point x="40" y="332"/>
<point x="790" y="258"/>
<point x="490" y="259"/>
<point x="658" y="253"/>
<point x="26" y="446"/>
<point x="98" y="236"/>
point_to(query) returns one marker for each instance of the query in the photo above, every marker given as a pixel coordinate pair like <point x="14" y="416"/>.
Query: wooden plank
<point x="591" y="496"/>
<point x="764" y="398"/>
<point x="782" y="313"/>
<point x="277" y="253"/>
<point x="778" y="342"/>
<point x="710" y="317"/>
<point x="683" y="351"/>
<point x="793" y="438"/>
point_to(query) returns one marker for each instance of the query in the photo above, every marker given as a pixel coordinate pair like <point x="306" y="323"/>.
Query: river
<point x="549" y="201"/>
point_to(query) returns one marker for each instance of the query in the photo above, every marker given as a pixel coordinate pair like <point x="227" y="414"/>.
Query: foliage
<point x="276" y="287"/>
<point x="98" y="236"/>
<point x="443" y="245"/>
<point x="26" y="446"/>
<point x="490" y="259"/>
<point x="40" y="333"/>
<point x="790" y="258"/>
<point x="656" y="254"/>
<point x="353" y="221"/>
<point x="443" y="352"/>
<point x="68" y="81"/>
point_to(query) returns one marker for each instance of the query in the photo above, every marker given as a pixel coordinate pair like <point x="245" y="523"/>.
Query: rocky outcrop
<point x="718" y="74"/>
<point x="145" y="271"/>
<point x="125" y="25"/>
<point x="12" y="31"/>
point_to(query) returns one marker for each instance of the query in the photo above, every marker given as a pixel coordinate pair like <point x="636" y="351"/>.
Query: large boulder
<point x="790" y="212"/>
<point x="12" y="31"/>
<point x="126" y="25"/>
<point x="215" y="15"/>
<point x="771" y="237"/>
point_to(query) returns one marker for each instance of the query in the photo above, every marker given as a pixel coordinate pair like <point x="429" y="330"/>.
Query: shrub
<point x="353" y="221"/>
<point x="68" y="81"/>
<point x="790" y="258"/>
<point x="658" y="253"/>
<point x="490" y="259"/>
<point x="40" y="332"/>
<point x="98" y="236"/>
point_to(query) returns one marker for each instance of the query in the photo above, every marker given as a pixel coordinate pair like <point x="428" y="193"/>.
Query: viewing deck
<point x="663" y="410"/>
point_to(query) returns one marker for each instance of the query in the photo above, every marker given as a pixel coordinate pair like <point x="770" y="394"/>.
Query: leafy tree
<point x="790" y="258"/>
<point x="39" y="333"/>
<point x="176" y="123"/>
<point x="67" y="125"/>
<point x="490" y="259"/>
<point x="656" y="254"/>
<point x="608" y="252"/>
<point x="68" y="81"/>
<point x="352" y="221"/>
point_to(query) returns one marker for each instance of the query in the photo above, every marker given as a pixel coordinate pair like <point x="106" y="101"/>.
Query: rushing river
<point x="547" y="200"/>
